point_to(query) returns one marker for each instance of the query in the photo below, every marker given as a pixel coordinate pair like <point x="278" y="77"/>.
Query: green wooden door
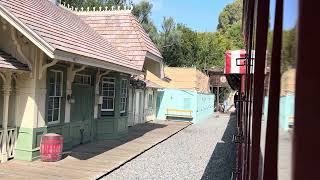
<point x="82" y="114"/>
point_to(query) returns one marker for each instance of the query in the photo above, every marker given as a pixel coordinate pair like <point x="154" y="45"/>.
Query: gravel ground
<point x="284" y="152"/>
<point x="201" y="151"/>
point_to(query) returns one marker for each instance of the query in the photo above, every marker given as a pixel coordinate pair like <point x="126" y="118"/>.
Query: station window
<point x="124" y="95"/>
<point x="108" y="94"/>
<point x="55" y="95"/>
<point x="82" y="79"/>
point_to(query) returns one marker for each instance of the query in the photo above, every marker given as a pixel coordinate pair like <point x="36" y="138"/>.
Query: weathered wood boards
<point x="93" y="160"/>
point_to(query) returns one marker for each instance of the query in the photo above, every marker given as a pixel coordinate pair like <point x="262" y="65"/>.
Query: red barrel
<point x="51" y="147"/>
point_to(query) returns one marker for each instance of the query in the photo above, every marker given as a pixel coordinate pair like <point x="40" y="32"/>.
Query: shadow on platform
<point x="92" y="149"/>
<point x="223" y="158"/>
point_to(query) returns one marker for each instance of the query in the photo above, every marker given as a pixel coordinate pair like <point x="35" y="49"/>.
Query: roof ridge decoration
<point x="97" y="10"/>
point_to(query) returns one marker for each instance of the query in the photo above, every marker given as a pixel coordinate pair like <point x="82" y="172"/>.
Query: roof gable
<point x="123" y="31"/>
<point x="64" y="31"/>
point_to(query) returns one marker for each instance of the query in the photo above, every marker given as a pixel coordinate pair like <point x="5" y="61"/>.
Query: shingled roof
<point x="124" y="31"/>
<point x="62" y="30"/>
<point x="9" y="62"/>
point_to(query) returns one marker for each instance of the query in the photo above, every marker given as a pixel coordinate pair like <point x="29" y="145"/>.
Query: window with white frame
<point x="55" y="95"/>
<point x="108" y="94"/>
<point x="82" y="79"/>
<point x="150" y="101"/>
<point x="124" y="95"/>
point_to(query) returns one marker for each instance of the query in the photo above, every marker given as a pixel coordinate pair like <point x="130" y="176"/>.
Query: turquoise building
<point x="201" y="104"/>
<point x="286" y="113"/>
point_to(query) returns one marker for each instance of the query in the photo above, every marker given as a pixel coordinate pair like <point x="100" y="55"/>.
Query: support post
<point x="259" y="73"/>
<point x="306" y="145"/>
<point x="218" y="100"/>
<point x="6" y="95"/>
<point x="99" y="75"/>
<point x="71" y="73"/>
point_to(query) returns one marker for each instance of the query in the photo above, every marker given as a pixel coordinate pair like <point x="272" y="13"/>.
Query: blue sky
<point x="202" y="15"/>
<point x="290" y="13"/>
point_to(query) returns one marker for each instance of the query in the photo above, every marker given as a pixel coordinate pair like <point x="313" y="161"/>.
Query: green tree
<point x="75" y="3"/>
<point x="212" y="48"/>
<point x="230" y="15"/>
<point x="169" y="42"/>
<point x="189" y="46"/>
<point x="289" y="46"/>
<point x="230" y="24"/>
<point x="96" y="3"/>
<point x="234" y="35"/>
<point x="142" y="11"/>
<point x="288" y="51"/>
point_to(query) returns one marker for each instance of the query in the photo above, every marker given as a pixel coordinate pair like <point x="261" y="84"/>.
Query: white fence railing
<point x="1" y="140"/>
<point x="10" y="141"/>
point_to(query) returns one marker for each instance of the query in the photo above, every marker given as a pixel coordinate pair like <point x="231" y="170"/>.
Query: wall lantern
<point x="70" y="99"/>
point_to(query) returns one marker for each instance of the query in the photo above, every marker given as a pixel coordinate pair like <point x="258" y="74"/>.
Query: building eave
<point x="154" y="57"/>
<point x="28" y="33"/>
<point x="74" y="58"/>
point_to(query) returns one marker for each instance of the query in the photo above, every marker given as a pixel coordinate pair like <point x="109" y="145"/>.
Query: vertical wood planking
<point x="271" y="148"/>
<point x="259" y="69"/>
<point x="306" y="145"/>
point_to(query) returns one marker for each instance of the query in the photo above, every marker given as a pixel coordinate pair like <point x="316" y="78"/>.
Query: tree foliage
<point x="143" y="11"/>
<point x="212" y="47"/>
<point x="169" y="42"/>
<point x="289" y="46"/>
<point x="230" y="21"/>
<point x="288" y="51"/>
<point x="182" y="46"/>
<point x="96" y="3"/>
<point x="230" y="15"/>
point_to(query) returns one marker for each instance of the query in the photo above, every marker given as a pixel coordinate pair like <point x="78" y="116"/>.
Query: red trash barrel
<point x="51" y="147"/>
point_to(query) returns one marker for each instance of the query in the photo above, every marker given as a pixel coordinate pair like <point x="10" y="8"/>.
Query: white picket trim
<point x="11" y="141"/>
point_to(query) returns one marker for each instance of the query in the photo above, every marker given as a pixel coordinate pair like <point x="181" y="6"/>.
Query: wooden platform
<point x="93" y="160"/>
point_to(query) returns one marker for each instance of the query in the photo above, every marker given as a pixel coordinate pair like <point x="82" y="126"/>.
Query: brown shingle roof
<point x="9" y="62"/>
<point x="124" y="31"/>
<point x="64" y="31"/>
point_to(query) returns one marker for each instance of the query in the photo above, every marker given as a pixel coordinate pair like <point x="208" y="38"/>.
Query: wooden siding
<point x="91" y="161"/>
<point x="183" y="78"/>
<point x="288" y="82"/>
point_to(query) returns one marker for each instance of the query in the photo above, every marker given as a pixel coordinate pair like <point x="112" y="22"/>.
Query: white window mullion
<point x="123" y="98"/>
<point x="108" y="87"/>
<point x="55" y="97"/>
<point x="52" y="119"/>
